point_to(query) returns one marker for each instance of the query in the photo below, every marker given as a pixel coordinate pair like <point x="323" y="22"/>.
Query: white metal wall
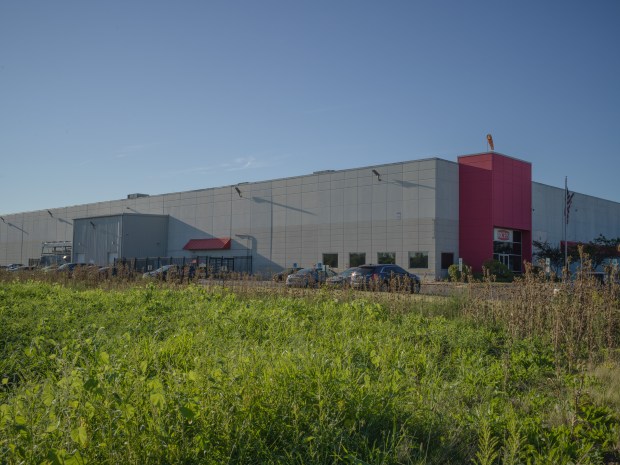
<point x="414" y="207"/>
<point x="589" y="216"/>
<point x="295" y="220"/>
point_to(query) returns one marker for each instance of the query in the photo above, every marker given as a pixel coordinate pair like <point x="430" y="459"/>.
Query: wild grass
<point x="93" y="372"/>
<point x="578" y="315"/>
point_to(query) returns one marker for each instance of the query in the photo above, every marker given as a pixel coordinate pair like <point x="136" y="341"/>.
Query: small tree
<point x="597" y="250"/>
<point x="501" y="272"/>
<point x="456" y="275"/>
<point x="604" y="248"/>
<point x="553" y="253"/>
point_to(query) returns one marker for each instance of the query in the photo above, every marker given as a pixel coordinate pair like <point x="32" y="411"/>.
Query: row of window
<point x="416" y="259"/>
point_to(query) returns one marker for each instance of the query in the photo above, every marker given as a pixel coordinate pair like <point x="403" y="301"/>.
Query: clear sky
<point x="101" y="99"/>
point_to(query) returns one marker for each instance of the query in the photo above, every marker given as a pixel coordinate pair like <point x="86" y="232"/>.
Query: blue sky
<point x="102" y="99"/>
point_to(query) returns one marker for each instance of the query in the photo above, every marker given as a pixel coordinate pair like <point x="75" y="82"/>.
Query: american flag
<point x="569" y="201"/>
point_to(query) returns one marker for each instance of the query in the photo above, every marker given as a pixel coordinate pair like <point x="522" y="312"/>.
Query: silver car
<point x="161" y="272"/>
<point x="308" y="277"/>
<point x="342" y="279"/>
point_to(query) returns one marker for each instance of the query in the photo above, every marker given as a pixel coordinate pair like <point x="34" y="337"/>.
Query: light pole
<point x="21" y="246"/>
<point x="21" y="230"/>
<point x="4" y="222"/>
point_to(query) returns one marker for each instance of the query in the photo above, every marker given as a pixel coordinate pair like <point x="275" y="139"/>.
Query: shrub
<point x="498" y="270"/>
<point x="110" y="375"/>
<point x="456" y="275"/>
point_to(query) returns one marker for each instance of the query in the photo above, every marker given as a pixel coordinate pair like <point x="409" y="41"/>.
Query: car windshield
<point x="365" y="271"/>
<point x="306" y="271"/>
<point x="349" y="271"/>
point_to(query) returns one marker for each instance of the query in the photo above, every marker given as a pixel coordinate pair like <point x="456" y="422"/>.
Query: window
<point x="357" y="259"/>
<point x="447" y="259"/>
<point x="386" y="258"/>
<point x="418" y="259"/>
<point x="330" y="259"/>
<point x="507" y="248"/>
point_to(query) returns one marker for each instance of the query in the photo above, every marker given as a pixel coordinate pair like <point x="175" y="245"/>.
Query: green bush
<point x="459" y="276"/>
<point x="498" y="270"/>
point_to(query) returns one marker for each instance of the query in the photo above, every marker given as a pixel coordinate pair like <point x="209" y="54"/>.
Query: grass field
<point x="148" y="374"/>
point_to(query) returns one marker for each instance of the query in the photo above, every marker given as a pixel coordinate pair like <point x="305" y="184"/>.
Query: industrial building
<point x="423" y="215"/>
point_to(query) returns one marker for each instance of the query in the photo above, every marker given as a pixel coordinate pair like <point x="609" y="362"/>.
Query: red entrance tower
<point x="495" y="210"/>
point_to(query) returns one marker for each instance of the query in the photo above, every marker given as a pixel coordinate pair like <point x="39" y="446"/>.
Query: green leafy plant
<point x="498" y="270"/>
<point x="152" y="373"/>
<point x="459" y="276"/>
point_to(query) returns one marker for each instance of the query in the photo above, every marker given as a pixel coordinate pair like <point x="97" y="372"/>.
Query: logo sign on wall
<point x="502" y="235"/>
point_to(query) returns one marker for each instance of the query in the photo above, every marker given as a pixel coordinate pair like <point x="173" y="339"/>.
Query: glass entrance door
<point x="507" y="248"/>
<point x="505" y="259"/>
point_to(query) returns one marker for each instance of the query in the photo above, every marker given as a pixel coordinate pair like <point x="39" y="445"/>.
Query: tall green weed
<point x="147" y="374"/>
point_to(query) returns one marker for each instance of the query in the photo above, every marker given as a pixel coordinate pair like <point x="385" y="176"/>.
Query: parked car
<point x="67" y="267"/>
<point x="71" y="267"/>
<point x="342" y="279"/>
<point x="308" y="277"/>
<point x="599" y="277"/>
<point x="384" y="278"/>
<point x="107" y="271"/>
<point x="282" y="275"/>
<point x="23" y="268"/>
<point x="161" y="272"/>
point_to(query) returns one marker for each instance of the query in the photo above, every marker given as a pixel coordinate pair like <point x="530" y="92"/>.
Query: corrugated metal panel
<point x="101" y="239"/>
<point x="97" y="238"/>
<point x="145" y="235"/>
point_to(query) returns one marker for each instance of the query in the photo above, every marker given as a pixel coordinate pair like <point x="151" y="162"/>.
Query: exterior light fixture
<point x="92" y="224"/>
<point x="376" y="173"/>
<point x="50" y="213"/>
<point x="238" y="191"/>
<point x="2" y="218"/>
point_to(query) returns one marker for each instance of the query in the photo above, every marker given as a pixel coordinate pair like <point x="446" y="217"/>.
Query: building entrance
<point x="507" y="248"/>
<point x="504" y="259"/>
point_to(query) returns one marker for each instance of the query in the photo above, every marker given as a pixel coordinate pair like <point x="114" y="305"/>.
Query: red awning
<point x="217" y="243"/>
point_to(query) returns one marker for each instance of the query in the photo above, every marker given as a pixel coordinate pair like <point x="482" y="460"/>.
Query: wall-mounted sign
<point x="502" y="235"/>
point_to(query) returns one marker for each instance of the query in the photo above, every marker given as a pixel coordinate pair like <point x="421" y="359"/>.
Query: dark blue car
<point x="385" y="278"/>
